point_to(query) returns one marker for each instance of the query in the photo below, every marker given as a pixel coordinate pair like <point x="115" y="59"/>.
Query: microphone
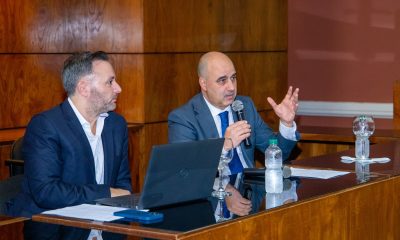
<point x="237" y="106"/>
<point x="286" y="171"/>
<point x="260" y="172"/>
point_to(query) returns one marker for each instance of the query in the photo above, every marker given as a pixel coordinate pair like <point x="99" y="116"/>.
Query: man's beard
<point x="99" y="104"/>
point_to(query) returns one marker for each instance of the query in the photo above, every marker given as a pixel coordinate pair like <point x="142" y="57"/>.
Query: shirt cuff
<point x="288" y="133"/>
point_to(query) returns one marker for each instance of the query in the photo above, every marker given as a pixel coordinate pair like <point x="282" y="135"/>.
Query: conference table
<point x="351" y="206"/>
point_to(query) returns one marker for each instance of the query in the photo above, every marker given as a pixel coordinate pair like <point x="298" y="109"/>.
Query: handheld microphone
<point x="237" y="106"/>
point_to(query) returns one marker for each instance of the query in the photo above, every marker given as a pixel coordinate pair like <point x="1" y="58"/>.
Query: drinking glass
<point x="220" y="193"/>
<point x="363" y="128"/>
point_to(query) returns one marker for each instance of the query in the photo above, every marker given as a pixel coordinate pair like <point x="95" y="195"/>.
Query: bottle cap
<point x="273" y="141"/>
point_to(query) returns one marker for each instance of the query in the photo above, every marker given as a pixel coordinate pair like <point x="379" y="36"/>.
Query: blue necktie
<point x="235" y="166"/>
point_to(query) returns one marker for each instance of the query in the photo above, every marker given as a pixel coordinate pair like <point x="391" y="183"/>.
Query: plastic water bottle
<point x="273" y="155"/>
<point x="273" y="168"/>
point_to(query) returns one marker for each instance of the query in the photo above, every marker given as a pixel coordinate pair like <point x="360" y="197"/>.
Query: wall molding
<point x="345" y="109"/>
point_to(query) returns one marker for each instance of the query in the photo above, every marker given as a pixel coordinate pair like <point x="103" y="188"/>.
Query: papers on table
<point x="316" y="173"/>
<point x="88" y="211"/>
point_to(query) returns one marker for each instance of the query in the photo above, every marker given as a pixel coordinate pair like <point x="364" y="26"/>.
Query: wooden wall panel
<point x="28" y="84"/>
<point x="129" y="71"/>
<point x="200" y="26"/>
<point x="171" y="80"/>
<point x="141" y="139"/>
<point x="61" y="26"/>
<point x="154" y="134"/>
<point x="396" y="105"/>
<point x="135" y="153"/>
<point x="261" y="75"/>
<point x="43" y="27"/>
<point x="142" y="26"/>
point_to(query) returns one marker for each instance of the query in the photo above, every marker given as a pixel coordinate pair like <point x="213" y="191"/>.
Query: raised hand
<point x="286" y="110"/>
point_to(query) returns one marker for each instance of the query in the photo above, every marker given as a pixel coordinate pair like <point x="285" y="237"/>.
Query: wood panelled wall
<point x="154" y="46"/>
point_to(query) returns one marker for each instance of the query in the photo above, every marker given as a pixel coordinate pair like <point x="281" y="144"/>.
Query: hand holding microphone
<point x="237" y="106"/>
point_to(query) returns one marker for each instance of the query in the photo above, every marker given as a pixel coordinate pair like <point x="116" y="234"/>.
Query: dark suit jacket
<point x="59" y="165"/>
<point x="193" y="121"/>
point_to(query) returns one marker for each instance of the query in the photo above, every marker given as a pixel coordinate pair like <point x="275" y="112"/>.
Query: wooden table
<point x="11" y="228"/>
<point x="337" y="208"/>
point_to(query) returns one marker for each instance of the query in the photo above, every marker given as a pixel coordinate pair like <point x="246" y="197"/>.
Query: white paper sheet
<point x="88" y="211"/>
<point x="316" y="173"/>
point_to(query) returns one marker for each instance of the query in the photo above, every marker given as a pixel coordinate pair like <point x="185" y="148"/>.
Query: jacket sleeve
<point x="180" y="129"/>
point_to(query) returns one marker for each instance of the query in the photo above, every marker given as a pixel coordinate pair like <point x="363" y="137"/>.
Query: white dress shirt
<point x="96" y="145"/>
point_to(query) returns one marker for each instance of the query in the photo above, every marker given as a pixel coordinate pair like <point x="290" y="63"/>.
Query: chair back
<point x="16" y="161"/>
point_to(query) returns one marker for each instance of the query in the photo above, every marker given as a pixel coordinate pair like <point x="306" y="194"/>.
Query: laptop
<point x="177" y="172"/>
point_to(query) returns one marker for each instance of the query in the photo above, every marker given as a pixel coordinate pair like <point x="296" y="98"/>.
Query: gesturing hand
<point x="286" y="110"/>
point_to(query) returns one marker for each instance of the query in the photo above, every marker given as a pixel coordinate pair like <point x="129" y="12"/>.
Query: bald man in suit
<point x="199" y="119"/>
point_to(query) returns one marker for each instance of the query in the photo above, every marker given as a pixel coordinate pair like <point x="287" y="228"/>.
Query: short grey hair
<point x="77" y="66"/>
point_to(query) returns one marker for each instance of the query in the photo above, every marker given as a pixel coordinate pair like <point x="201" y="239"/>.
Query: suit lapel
<point x="204" y="118"/>
<point x="207" y="124"/>
<point x="78" y="132"/>
<point x="108" y="148"/>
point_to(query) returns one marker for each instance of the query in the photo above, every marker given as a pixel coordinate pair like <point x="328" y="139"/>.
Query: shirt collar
<point x="214" y="110"/>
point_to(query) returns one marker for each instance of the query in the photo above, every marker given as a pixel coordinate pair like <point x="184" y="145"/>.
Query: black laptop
<point x="177" y="172"/>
